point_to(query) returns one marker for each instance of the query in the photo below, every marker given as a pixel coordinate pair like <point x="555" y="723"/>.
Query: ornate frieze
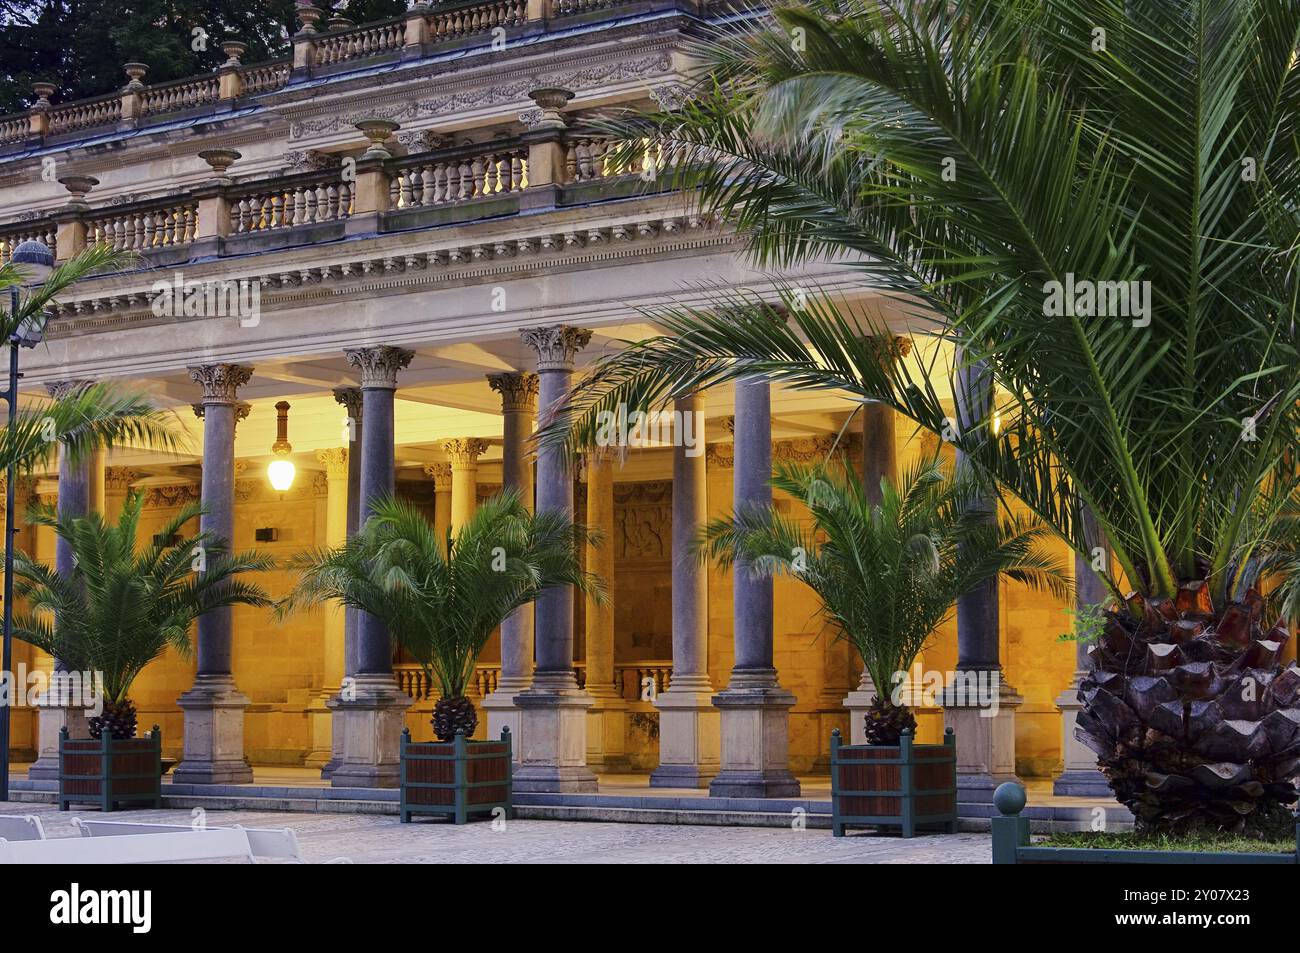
<point x="643" y="518"/>
<point x="556" y="345"/>
<point x="119" y="479"/>
<point x="173" y="495"/>
<point x="379" y="365"/>
<point x="220" y="381"/>
<point x="670" y="96"/>
<point x="518" y="391"/>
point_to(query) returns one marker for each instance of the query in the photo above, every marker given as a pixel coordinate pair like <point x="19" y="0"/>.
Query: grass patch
<point x="1208" y="843"/>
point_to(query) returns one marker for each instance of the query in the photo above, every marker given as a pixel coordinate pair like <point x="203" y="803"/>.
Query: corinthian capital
<point x="556" y="345"/>
<point x="464" y="451"/>
<point x="379" y="365"/>
<point x="440" y="473"/>
<point x="61" y="390"/>
<point x="220" y="382"/>
<point x="335" y="460"/>
<point x="350" y="398"/>
<point x="518" y="391"/>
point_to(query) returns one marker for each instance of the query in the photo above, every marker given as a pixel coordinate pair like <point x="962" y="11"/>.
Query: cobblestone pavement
<point x="369" y="838"/>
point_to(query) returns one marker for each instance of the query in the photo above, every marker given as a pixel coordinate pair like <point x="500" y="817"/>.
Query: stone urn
<point x="135" y="73"/>
<point x="378" y="131"/>
<point x="43" y="93"/>
<point x="220" y="160"/>
<point x="233" y="49"/>
<point x="338" y="22"/>
<point x="308" y="15"/>
<point x="79" y="187"/>
<point x="551" y="100"/>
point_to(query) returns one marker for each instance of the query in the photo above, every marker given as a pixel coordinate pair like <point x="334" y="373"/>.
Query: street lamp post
<point x="37" y="261"/>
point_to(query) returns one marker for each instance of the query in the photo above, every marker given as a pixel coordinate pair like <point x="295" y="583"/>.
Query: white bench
<point x="211" y="844"/>
<point x="21" y="827"/>
<point x="276" y="843"/>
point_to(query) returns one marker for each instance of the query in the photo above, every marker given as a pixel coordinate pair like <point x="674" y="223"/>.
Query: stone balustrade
<point x="633" y="679"/>
<point x="303" y="200"/>
<point x="14" y="128"/>
<point x="11" y="238"/>
<point x="472" y="18"/>
<point x="442" y="179"/>
<point x="142" y="229"/>
<point x="85" y="114"/>
<point x="589" y="157"/>
<point x="264" y="77"/>
<point x="359" y="43"/>
<point x="415" y="681"/>
<point x="170" y="97"/>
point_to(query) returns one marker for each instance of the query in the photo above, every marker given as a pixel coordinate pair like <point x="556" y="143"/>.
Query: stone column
<point x="440" y="473"/>
<point x="518" y="407"/>
<point x="554" y="710"/>
<point x="689" y="727"/>
<point x="1080" y="775"/>
<point x="755" y="709"/>
<point x="214" y="707"/>
<point x="371" y="714"/>
<point x="463" y="452"/>
<point x="336" y="463"/>
<point x="73" y="501"/>
<point x="607" y="717"/>
<point x="985" y="732"/>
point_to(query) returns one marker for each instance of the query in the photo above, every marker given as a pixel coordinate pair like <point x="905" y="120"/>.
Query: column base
<point x="214" y="733"/>
<point x="690" y="738"/>
<point x="986" y="745"/>
<point x="1080" y="776"/>
<point x="755" y="742"/>
<point x="503" y="713"/>
<point x="370" y="727"/>
<point x="321" y="720"/>
<point x="49" y="723"/>
<point x="607" y="735"/>
<point x="554" y="751"/>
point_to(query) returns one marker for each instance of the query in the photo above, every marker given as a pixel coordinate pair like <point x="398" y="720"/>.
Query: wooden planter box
<point x="110" y="772"/>
<point x="908" y="786"/>
<point x="456" y="778"/>
<point x="1011" y="844"/>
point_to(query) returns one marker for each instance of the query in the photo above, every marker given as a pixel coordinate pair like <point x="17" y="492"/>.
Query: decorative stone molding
<point x="220" y="381"/>
<point x="379" y="365"/>
<point x="556" y="345"/>
<point x="350" y="398"/>
<point x="422" y="140"/>
<point x="62" y="390"/>
<point x="518" y="391"/>
<point x="242" y="409"/>
<point x="643" y="518"/>
<point x="335" y="460"/>
<point x="670" y="96"/>
<point x="728" y="424"/>
<point x="309" y="160"/>
<point x="464" y="451"/>
<point x="119" y="479"/>
<point x="531" y="117"/>
<point x="440" y="473"/>
<point x="173" y="495"/>
<point x="721" y="456"/>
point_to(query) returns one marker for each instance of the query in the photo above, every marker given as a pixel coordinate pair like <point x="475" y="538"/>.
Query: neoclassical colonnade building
<point x="438" y="244"/>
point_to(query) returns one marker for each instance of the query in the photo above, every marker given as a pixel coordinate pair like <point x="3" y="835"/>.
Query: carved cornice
<point x="220" y="382"/>
<point x="335" y="460"/>
<point x="464" y="451"/>
<point x="556" y="345"/>
<point x="518" y="391"/>
<point x="440" y="473"/>
<point x="379" y="365"/>
<point x="62" y="390"/>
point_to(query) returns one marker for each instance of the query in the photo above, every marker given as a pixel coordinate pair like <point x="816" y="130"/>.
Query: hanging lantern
<point x="281" y="471"/>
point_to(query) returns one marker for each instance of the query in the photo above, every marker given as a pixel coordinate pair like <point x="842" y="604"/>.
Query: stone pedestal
<point x="690" y="736"/>
<point x="214" y="733"/>
<point x="858" y="702"/>
<point x="1081" y="777"/>
<point x="553" y="756"/>
<point x="755" y="744"/>
<point x="607" y="733"/>
<point x="986" y="745"/>
<point x="320" y="718"/>
<point x="370" y="730"/>
<point x="50" y="722"/>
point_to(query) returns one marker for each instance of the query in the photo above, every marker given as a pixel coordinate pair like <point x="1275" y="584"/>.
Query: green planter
<point x="907" y="786"/>
<point x="1011" y="844"/>
<point x="110" y="772"/>
<point x="456" y="778"/>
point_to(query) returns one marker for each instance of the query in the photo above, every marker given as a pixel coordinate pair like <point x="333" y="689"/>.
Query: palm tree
<point x="996" y="166"/>
<point x="98" y="416"/>
<point x="888" y="574"/>
<point x="122" y="604"/>
<point x="441" y="598"/>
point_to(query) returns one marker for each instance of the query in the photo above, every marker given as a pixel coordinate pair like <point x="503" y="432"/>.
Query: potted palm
<point x="1143" y="357"/>
<point x="887" y="576"/>
<point x="119" y="608"/>
<point x="441" y="599"/>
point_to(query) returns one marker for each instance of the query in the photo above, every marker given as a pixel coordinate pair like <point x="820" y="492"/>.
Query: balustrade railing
<point x="355" y="44"/>
<point x="170" y="97"/>
<point x="415" y="682"/>
<point x="14" y="128"/>
<point x="641" y="681"/>
<point x="443" y="179"/>
<point x="474" y="18"/>
<point x="565" y="8"/>
<point x="306" y="202"/>
<point x="264" y="77"/>
<point x="13" y="237"/>
<point x="145" y="229"/>
<point x="81" y="115"/>
<point x="589" y="157"/>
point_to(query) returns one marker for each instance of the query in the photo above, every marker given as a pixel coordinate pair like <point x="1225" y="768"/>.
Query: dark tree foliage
<point x="81" y="45"/>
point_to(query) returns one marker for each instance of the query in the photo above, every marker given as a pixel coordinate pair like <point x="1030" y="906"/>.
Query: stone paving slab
<point x="370" y="838"/>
